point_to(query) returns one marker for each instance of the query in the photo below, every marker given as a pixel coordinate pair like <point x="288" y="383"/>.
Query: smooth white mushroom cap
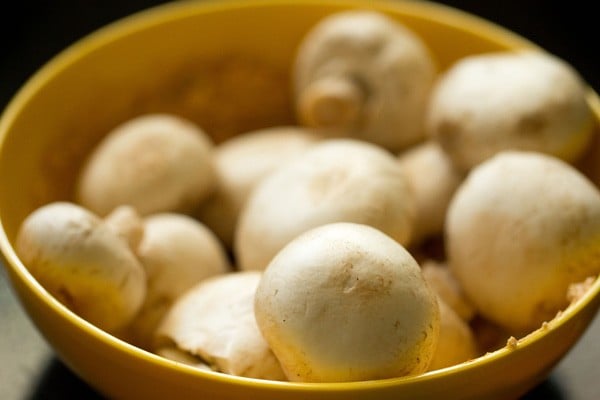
<point x="177" y="252"/>
<point x="433" y="179"/>
<point x="345" y="302"/>
<point x="241" y="162"/>
<point x="214" y="321"/>
<point x="363" y="74"/>
<point x="337" y="180"/>
<point x="520" y="229"/>
<point x="525" y="100"/>
<point x="83" y="263"/>
<point x="155" y="163"/>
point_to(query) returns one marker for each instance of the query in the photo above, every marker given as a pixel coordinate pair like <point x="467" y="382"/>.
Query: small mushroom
<point x="83" y="263"/>
<point x="177" y="252"/>
<point x="337" y="180"/>
<point x="363" y="74"/>
<point x="456" y="342"/>
<point x="527" y="100"/>
<point x="214" y="324"/>
<point x="241" y="162"/>
<point x="128" y="224"/>
<point x="345" y="302"/>
<point x="154" y="163"/>
<point x="445" y="285"/>
<point x="433" y="179"/>
<point x="520" y="229"/>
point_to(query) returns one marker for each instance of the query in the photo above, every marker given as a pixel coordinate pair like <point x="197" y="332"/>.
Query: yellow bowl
<point x="136" y="65"/>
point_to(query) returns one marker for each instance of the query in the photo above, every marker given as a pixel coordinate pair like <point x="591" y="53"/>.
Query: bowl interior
<point x="171" y="58"/>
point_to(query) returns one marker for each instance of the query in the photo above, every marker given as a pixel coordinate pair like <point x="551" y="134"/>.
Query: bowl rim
<point x="163" y="13"/>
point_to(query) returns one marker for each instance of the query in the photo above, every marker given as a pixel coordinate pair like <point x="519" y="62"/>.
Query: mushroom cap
<point x="520" y="229"/>
<point x="345" y="302"/>
<point x="176" y="252"/>
<point x="365" y="74"/>
<point x="155" y="163"/>
<point x="433" y="179"/>
<point x="214" y="321"/>
<point x="83" y="263"/>
<point x="527" y="100"/>
<point x="241" y="162"/>
<point x="337" y="180"/>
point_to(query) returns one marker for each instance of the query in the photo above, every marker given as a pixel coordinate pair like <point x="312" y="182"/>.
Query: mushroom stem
<point x="331" y="102"/>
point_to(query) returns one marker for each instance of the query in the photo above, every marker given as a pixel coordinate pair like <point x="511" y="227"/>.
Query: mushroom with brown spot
<point x="520" y="229"/>
<point x="345" y="302"/>
<point x="83" y="263"/>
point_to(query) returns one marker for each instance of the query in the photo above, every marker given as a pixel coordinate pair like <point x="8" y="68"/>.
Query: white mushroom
<point x="241" y="162"/>
<point x="214" y="323"/>
<point x="445" y="285"/>
<point x="83" y="263"/>
<point x="337" y="180"/>
<point x="525" y="100"/>
<point x="520" y="229"/>
<point x="364" y="74"/>
<point x="456" y="342"/>
<point x="154" y="163"/>
<point x="177" y="252"/>
<point x="433" y="179"/>
<point x="345" y="302"/>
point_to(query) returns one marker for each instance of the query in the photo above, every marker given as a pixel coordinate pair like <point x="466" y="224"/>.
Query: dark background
<point x="33" y="32"/>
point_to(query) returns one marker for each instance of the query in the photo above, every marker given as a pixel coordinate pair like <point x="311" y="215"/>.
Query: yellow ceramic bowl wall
<point x="65" y="108"/>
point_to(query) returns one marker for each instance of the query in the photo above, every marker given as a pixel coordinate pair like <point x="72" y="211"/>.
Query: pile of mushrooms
<point x="410" y="219"/>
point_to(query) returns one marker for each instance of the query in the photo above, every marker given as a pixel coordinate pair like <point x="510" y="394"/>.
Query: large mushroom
<point x="345" y="302"/>
<point x="154" y="163"/>
<point x="526" y="100"/>
<point x="83" y="263"/>
<point x="363" y="74"/>
<point x="337" y="180"/>
<point x="520" y="230"/>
